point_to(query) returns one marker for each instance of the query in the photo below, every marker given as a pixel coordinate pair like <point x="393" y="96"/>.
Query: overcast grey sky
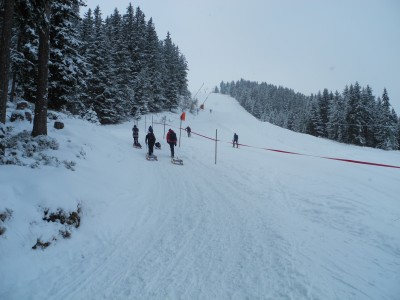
<point x="305" y="45"/>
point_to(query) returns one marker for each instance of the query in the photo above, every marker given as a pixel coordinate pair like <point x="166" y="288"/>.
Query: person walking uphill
<point x="150" y="140"/>
<point x="235" y="140"/>
<point x="188" y="130"/>
<point x="171" y="140"/>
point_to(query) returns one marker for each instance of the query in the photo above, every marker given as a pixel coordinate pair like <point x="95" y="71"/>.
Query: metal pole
<point x="164" y="126"/>
<point x="216" y="140"/>
<point x="180" y="133"/>
<point x="194" y="97"/>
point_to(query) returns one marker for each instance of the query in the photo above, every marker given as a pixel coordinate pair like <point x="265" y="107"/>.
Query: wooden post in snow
<point x="216" y="141"/>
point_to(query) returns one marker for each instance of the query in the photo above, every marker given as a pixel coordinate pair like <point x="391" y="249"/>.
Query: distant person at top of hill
<point x="188" y="130"/>
<point x="235" y="140"/>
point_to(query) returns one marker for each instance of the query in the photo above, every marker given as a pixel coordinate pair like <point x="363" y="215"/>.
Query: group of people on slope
<point x="150" y="139"/>
<point x="171" y="139"/>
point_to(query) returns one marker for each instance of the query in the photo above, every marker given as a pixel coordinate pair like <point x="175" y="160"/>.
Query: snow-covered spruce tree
<point x="100" y="91"/>
<point x="386" y="127"/>
<point x="67" y="69"/>
<point x="86" y="33"/>
<point x="128" y="33"/>
<point x="25" y="51"/>
<point x="368" y="111"/>
<point x="170" y="77"/>
<point x="323" y="108"/>
<point x="153" y="70"/>
<point x="137" y="54"/>
<point x="354" y="116"/>
<point x="398" y="133"/>
<point x="333" y="125"/>
<point x="314" y="118"/>
<point x="120" y="62"/>
<point x="184" y="94"/>
<point x="396" y="144"/>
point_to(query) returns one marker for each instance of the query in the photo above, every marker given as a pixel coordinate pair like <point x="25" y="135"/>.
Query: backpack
<point x="172" y="136"/>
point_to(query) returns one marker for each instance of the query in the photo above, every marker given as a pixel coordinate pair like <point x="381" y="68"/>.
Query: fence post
<point x="216" y="141"/>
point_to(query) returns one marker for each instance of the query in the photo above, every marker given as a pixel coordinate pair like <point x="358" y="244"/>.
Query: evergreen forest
<point x="105" y="69"/>
<point x="354" y="116"/>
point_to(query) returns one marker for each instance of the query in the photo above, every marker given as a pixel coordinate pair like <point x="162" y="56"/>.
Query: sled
<point x="177" y="161"/>
<point x="151" y="157"/>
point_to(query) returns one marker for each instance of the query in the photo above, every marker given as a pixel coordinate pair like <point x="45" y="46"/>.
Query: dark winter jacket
<point x="150" y="139"/>
<point x="235" y="137"/>
<point x="135" y="131"/>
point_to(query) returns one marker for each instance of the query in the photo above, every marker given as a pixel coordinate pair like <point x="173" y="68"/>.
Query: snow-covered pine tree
<point x="336" y="118"/>
<point x="182" y="68"/>
<point x="314" y="118"/>
<point x="100" y="91"/>
<point x="67" y="69"/>
<point x="323" y="107"/>
<point x="386" y="127"/>
<point x="354" y="116"/>
<point x="170" y="80"/>
<point x="398" y="133"/>
<point x="25" y="51"/>
<point x="137" y="54"/>
<point x="368" y="111"/>
<point x="153" y="90"/>
<point x="128" y="34"/>
<point x="120" y="63"/>
<point x="396" y="144"/>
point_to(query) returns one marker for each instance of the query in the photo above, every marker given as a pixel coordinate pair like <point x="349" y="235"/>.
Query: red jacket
<point x="169" y="138"/>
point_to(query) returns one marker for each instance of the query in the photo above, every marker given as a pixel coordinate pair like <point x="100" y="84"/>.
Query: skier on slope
<point x="171" y="140"/>
<point x="150" y="140"/>
<point x="135" y="133"/>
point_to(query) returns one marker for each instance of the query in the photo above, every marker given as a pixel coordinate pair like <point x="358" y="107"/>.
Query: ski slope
<point x="258" y="224"/>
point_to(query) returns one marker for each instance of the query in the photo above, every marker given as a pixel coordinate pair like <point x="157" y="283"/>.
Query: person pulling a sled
<point x="135" y="133"/>
<point x="171" y="140"/>
<point x="235" y="140"/>
<point x="188" y="130"/>
<point x="150" y="140"/>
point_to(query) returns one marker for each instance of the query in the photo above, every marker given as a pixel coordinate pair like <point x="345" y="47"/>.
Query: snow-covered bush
<point x="91" y="116"/>
<point x="24" y="150"/>
<point x="64" y="224"/>
<point x="4" y="216"/>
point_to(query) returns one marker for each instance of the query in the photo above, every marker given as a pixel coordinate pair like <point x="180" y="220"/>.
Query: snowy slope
<point x="258" y="224"/>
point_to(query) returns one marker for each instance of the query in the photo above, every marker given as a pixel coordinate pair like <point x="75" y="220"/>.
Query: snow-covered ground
<point x="258" y="224"/>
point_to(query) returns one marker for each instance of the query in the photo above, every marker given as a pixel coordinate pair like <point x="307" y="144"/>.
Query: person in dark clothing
<point x="188" y="130"/>
<point x="135" y="132"/>
<point x="235" y="140"/>
<point x="150" y="140"/>
<point x="171" y="140"/>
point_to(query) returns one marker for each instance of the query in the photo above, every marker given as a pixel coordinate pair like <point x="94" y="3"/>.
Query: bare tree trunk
<point x="5" y="56"/>
<point x="40" y="120"/>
